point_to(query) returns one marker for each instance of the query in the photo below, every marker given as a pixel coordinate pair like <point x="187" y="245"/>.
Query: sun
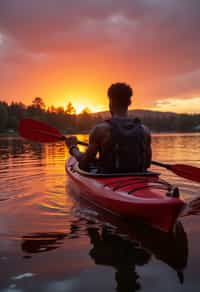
<point x="80" y="107"/>
<point x="82" y="102"/>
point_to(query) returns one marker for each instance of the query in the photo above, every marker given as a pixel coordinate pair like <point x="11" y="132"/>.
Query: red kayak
<point x="135" y="195"/>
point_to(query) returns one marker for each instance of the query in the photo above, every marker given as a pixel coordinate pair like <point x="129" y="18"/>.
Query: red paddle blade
<point x="186" y="171"/>
<point x="38" y="131"/>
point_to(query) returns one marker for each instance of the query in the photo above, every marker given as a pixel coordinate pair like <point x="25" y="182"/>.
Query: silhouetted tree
<point x="85" y="120"/>
<point x="86" y="111"/>
<point x="3" y="116"/>
<point x="17" y="109"/>
<point x="38" y="103"/>
<point x="70" y="110"/>
<point x="68" y="122"/>
<point x="37" y="108"/>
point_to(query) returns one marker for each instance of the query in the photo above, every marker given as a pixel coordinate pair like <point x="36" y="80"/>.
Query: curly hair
<point x="120" y="94"/>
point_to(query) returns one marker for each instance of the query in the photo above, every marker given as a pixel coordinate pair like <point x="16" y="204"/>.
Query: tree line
<point x="67" y="121"/>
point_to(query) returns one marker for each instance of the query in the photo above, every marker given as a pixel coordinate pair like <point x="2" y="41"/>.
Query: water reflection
<point x="132" y="244"/>
<point x="43" y="225"/>
<point x="121" y="245"/>
<point x="41" y="242"/>
<point x="177" y="147"/>
<point x="14" y="147"/>
<point x="123" y="255"/>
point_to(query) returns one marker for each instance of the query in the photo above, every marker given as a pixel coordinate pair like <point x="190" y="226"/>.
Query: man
<point x="123" y="144"/>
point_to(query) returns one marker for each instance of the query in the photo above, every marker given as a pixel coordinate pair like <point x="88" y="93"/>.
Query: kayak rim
<point x="93" y="174"/>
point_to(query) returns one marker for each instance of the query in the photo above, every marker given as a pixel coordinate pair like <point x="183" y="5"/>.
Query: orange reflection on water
<point x="34" y="183"/>
<point x="59" y="238"/>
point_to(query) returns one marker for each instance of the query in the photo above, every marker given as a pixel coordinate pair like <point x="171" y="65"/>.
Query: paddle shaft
<point x="161" y="164"/>
<point x="62" y="138"/>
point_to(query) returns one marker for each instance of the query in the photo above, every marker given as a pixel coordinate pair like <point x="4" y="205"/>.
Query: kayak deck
<point x="146" y="197"/>
<point x="139" y="186"/>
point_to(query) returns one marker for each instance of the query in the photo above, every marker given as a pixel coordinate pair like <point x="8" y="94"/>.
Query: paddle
<point x="41" y="132"/>
<point x="186" y="171"/>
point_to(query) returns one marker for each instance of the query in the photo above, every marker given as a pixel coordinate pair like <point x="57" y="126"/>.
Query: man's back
<point x="123" y="145"/>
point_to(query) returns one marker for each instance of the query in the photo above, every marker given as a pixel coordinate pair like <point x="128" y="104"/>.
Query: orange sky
<point x="72" y="51"/>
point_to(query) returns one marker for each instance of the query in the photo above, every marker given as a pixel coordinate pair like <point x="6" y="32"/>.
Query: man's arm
<point x="88" y="157"/>
<point x="148" y="155"/>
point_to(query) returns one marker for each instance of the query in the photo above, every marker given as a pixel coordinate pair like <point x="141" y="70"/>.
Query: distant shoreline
<point x="16" y="135"/>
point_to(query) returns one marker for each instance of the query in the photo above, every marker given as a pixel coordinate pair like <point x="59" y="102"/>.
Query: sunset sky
<point x="63" y="50"/>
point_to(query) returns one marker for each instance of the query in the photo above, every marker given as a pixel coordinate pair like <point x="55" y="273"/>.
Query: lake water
<point x="51" y="241"/>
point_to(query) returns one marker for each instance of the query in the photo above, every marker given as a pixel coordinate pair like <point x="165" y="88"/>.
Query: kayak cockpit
<point x="143" y="182"/>
<point x="94" y="173"/>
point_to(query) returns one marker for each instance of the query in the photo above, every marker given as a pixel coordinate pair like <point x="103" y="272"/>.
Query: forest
<point x="67" y="121"/>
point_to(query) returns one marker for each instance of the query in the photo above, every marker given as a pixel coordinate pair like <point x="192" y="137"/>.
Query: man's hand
<point x="71" y="141"/>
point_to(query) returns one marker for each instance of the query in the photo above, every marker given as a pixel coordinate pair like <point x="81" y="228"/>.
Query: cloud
<point x="178" y="105"/>
<point x="152" y="44"/>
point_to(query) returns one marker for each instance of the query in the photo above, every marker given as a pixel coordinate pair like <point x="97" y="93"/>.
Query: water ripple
<point x="34" y="196"/>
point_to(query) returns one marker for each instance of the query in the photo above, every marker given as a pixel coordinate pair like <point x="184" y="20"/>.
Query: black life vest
<point x="128" y="145"/>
